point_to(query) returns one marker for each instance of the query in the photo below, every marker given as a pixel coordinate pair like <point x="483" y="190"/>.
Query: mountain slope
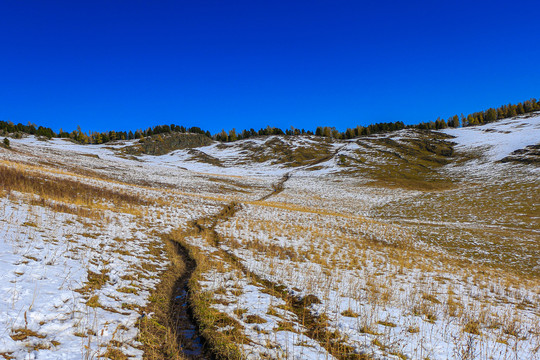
<point x="410" y="244"/>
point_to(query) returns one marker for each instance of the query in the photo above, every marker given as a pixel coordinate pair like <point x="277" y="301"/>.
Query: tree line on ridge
<point x="476" y="118"/>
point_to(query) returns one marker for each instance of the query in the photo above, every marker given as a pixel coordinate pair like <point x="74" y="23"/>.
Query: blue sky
<point x="119" y="65"/>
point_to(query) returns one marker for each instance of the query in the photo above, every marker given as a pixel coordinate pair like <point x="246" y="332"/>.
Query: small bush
<point x="472" y="327"/>
<point x="349" y="313"/>
<point x="255" y="319"/>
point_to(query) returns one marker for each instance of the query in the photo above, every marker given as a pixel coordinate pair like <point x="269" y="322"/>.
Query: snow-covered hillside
<point x="497" y="140"/>
<point x="383" y="246"/>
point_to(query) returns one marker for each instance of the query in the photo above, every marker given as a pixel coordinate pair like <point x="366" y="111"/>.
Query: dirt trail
<point x="326" y="158"/>
<point x="277" y="187"/>
<point x="192" y="342"/>
<point x="316" y="326"/>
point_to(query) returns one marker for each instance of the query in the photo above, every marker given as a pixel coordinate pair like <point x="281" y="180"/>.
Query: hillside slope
<point x="407" y="245"/>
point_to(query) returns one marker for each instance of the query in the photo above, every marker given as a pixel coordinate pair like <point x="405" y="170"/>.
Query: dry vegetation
<point x="159" y="333"/>
<point x="395" y="284"/>
<point x="393" y="257"/>
<point x="108" y="235"/>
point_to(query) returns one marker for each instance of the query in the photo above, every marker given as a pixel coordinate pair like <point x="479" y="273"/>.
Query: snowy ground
<point x="76" y="279"/>
<point x="398" y="273"/>
<point x="499" y="139"/>
<point x="394" y="297"/>
<point x="47" y="260"/>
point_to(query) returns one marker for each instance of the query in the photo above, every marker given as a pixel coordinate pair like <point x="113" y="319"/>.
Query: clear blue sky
<point x="221" y="64"/>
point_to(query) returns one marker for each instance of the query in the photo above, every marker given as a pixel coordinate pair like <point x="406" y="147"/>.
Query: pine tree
<point x="455" y="121"/>
<point x="491" y="115"/>
<point x="512" y="110"/>
<point x="223" y="136"/>
<point x="480" y="118"/>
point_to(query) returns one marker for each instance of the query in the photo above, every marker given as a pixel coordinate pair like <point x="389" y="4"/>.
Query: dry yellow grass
<point x="158" y="333"/>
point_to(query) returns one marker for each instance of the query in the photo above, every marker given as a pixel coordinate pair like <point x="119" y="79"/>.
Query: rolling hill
<point x="412" y="244"/>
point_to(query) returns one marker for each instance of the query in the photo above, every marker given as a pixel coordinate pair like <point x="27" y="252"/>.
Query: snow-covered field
<point x="343" y="261"/>
<point x="49" y="261"/>
<point x="498" y="140"/>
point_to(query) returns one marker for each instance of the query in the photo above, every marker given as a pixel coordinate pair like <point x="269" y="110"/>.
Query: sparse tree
<point x="512" y="110"/>
<point x="98" y="139"/>
<point x="327" y="131"/>
<point x="223" y="136"/>
<point x="472" y="120"/>
<point x="491" y="115"/>
<point x="454" y="122"/>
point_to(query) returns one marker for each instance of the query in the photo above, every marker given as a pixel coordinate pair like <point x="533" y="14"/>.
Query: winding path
<point x="192" y="343"/>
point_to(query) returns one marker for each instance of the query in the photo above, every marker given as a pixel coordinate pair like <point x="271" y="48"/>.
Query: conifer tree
<point x="491" y="115"/>
<point x="454" y="122"/>
<point x="512" y="110"/>
<point x="223" y="136"/>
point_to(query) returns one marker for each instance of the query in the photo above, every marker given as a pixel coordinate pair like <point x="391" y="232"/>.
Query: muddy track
<point x="192" y="342"/>
<point x="277" y="187"/>
<point x="280" y="185"/>
<point x="326" y="158"/>
<point x="316" y="326"/>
